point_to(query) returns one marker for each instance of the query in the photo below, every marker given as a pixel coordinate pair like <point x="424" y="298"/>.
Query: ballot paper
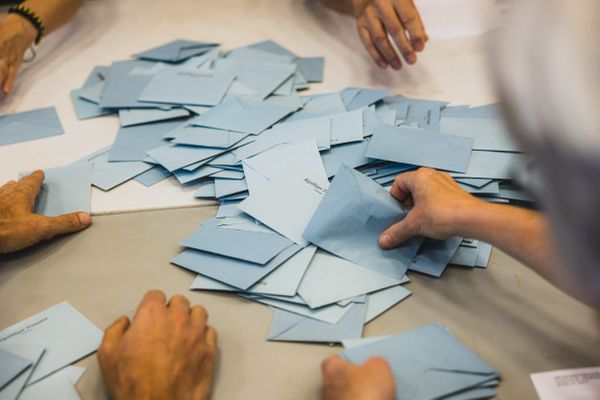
<point x="63" y="331"/>
<point x="65" y="190"/>
<point x="421" y="147"/>
<point x="566" y="384"/>
<point x="287" y="203"/>
<point x="427" y="363"/>
<point x="348" y="221"/>
<point x="29" y="125"/>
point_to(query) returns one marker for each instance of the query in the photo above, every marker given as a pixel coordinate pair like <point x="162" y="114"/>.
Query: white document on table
<point x="568" y="384"/>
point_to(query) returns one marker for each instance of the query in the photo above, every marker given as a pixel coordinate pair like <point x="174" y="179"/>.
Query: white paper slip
<point x="568" y="384"/>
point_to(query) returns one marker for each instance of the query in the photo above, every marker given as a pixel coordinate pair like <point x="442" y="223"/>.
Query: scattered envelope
<point x="122" y="88"/>
<point x="139" y="116"/>
<point x="434" y="256"/>
<point x="29" y="125"/>
<point x="331" y="314"/>
<point x="359" y="98"/>
<point x="287" y="203"/>
<point x="133" y="142"/>
<point x="420" y="147"/>
<point x="353" y="213"/>
<point x="381" y="301"/>
<point x="255" y="247"/>
<point x="11" y="365"/>
<point x="311" y="68"/>
<point x="152" y="176"/>
<point x="351" y="154"/>
<point x="32" y="354"/>
<point x="427" y="363"/>
<point x="290" y="327"/>
<point x="488" y="133"/>
<point x="262" y="76"/>
<point x="176" y="51"/>
<point x="63" y="331"/>
<point x="330" y="279"/>
<point x="208" y="137"/>
<point x="236" y="273"/>
<point x="108" y="175"/>
<point x="491" y="165"/>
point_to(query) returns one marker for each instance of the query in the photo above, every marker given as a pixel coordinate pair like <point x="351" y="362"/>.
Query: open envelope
<point x="351" y="216"/>
<point x="29" y="125"/>
<point x="11" y="365"/>
<point x="32" y="354"/>
<point x="427" y="363"/>
<point x="290" y="327"/>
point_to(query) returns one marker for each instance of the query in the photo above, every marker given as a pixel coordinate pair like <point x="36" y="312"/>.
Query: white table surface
<point x="452" y="68"/>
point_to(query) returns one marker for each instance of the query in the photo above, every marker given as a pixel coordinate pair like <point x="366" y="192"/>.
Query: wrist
<point x="22" y="27"/>
<point x="470" y="217"/>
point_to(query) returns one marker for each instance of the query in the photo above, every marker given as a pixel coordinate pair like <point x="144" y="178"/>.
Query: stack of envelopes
<point x="35" y="354"/>
<point x="428" y="363"/>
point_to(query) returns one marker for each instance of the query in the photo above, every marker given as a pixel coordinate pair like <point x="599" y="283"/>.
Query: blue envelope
<point x="139" y="116"/>
<point x="29" y="125"/>
<point x="122" y="88"/>
<point x="434" y="256"/>
<point x="290" y="327"/>
<point x="236" y="273"/>
<point x="133" y="142"/>
<point x="176" y="51"/>
<point x="255" y="247"/>
<point x="364" y="97"/>
<point x="353" y="213"/>
<point x="311" y="68"/>
<point x="350" y="154"/>
<point x="152" y="176"/>
<point x="427" y="363"/>
<point x="420" y="147"/>
<point x="11" y="365"/>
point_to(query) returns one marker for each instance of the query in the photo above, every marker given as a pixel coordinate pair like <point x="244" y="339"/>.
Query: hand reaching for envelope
<point x="167" y="352"/>
<point x="437" y="202"/>
<point x="16" y="35"/>
<point x="20" y="227"/>
<point x="346" y="381"/>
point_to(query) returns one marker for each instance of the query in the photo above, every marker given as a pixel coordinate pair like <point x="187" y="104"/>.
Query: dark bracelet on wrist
<point x="32" y="17"/>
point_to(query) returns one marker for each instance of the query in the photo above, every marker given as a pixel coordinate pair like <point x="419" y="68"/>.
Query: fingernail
<point x="396" y="64"/>
<point x="419" y="46"/>
<point x="386" y="240"/>
<point x="412" y="59"/>
<point x="382" y="64"/>
<point x="85" y="218"/>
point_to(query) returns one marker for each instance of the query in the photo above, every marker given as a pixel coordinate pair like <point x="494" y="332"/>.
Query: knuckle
<point x="408" y="17"/>
<point x="381" y="41"/>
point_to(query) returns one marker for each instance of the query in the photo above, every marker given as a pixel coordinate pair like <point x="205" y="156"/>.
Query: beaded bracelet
<point x="32" y="17"/>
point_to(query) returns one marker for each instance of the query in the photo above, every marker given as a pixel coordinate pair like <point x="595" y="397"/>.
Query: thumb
<point x="63" y="224"/>
<point x="398" y="233"/>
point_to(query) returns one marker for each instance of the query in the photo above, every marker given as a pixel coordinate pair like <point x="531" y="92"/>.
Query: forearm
<point x="54" y="13"/>
<point x="521" y="233"/>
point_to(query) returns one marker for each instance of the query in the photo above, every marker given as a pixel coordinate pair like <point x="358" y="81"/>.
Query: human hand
<point x="20" y="227"/>
<point x="376" y="19"/>
<point x="438" y="205"/>
<point x="16" y="35"/>
<point x="167" y="352"/>
<point x="346" y="381"/>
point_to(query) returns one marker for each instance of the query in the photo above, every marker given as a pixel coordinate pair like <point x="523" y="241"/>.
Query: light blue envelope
<point x="491" y="189"/>
<point x="85" y="109"/>
<point x="255" y="247"/>
<point x="290" y="327"/>
<point x="208" y="137"/>
<point x="491" y="165"/>
<point x="152" y="176"/>
<point x="63" y="331"/>
<point x="381" y="301"/>
<point x="29" y="125"/>
<point x="176" y="51"/>
<point x="184" y="176"/>
<point x="33" y="355"/>
<point x="283" y="281"/>
<point x="434" y="256"/>
<point x="474" y="182"/>
<point x="250" y="117"/>
<point x="133" y="142"/>
<point x="427" y="363"/>
<point x="262" y="76"/>
<point x="488" y="134"/>
<point x="174" y="156"/>
<point x="206" y="190"/>
<point x="236" y="273"/>
<point x="465" y="256"/>
<point x="420" y="147"/>
<point x="55" y="386"/>
<point x="486" y="111"/>
<point x="108" y="175"/>
<point x="123" y="89"/>
<point x="273" y="47"/>
<point x="65" y="190"/>
<point x="139" y="116"/>
<point x="330" y="279"/>
<point x="331" y="314"/>
<point x="311" y="68"/>
<point x="353" y="213"/>
<point x="350" y="154"/>
<point x="364" y="97"/>
<point x="227" y="187"/>
<point x="180" y="87"/>
<point x="11" y="365"/>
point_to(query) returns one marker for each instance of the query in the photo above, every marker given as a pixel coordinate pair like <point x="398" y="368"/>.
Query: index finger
<point x="403" y="185"/>
<point x="30" y="185"/>
<point x="411" y="20"/>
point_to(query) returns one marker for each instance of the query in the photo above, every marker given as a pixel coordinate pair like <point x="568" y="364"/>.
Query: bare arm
<point x="441" y="209"/>
<point x="17" y="34"/>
